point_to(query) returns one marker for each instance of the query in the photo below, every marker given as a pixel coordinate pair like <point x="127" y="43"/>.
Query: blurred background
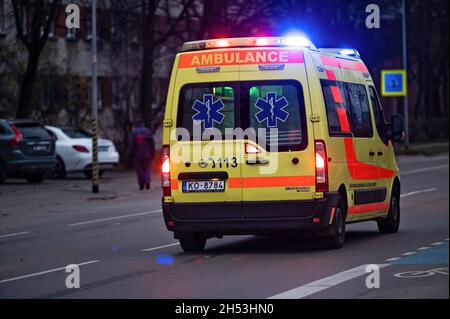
<point x="45" y="68"/>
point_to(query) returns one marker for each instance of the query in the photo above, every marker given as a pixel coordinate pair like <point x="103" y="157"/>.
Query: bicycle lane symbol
<point x="422" y="273"/>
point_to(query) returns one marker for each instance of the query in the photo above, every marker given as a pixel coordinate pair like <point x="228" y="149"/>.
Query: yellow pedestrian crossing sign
<point x="393" y="83"/>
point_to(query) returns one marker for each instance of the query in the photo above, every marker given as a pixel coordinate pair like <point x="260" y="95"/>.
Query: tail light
<point x="80" y="148"/>
<point x="18" y="137"/>
<point x="321" y="167"/>
<point x="165" y="171"/>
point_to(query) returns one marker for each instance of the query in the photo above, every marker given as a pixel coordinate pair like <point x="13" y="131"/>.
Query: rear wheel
<point x="34" y="178"/>
<point x="392" y="222"/>
<point x="60" y="169"/>
<point x="193" y="244"/>
<point x="337" y="237"/>
<point x="2" y="173"/>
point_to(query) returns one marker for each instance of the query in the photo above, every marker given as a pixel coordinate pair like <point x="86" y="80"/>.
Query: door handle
<point x="380" y="153"/>
<point x="257" y="161"/>
<point x="372" y="153"/>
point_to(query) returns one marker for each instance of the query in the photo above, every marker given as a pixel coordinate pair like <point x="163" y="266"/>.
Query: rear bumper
<point x="35" y="165"/>
<point x="249" y="217"/>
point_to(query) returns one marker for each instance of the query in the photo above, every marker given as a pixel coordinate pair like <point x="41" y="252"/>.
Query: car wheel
<point x="337" y="237"/>
<point x="35" y="178"/>
<point x="392" y="222"/>
<point x="193" y="244"/>
<point x="60" y="169"/>
<point x="2" y="173"/>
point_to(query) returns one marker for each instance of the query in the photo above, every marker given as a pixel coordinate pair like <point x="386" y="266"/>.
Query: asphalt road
<point x="120" y="243"/>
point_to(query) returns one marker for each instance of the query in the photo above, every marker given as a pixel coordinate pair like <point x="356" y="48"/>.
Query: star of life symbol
<point x="208" y="111"/>
<point x="272" y="109"/>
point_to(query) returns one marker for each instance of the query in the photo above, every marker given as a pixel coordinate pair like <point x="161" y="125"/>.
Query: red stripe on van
<point x="337" y="96"/>
<point x="344" y="64"/>
<point x="330" y="75"/>
<point x="272" y="181"/>
<point x="367" y="208"/>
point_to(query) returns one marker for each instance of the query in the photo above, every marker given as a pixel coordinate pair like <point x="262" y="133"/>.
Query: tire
<point x="2" y="173"/>
<point x="34" y="178"/>
<point x="60" y="169"/>
<point x="391" y="224"/>
<point x="193" y="244"/>
<point x="337" y="238"/>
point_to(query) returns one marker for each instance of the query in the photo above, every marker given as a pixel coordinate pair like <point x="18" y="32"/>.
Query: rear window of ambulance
<point x="274" y="106"/>
<point x="207" y="106"/>
<point x="278" y="105"/>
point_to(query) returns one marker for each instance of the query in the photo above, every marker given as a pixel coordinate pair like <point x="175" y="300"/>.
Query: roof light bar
<point x="248" y="42"/>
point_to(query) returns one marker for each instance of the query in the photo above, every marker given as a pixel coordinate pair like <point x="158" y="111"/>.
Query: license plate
<point x="203" y="186"/>
<point x="39" y="148"/>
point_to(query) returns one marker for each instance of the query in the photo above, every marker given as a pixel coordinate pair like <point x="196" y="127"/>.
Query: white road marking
<point x="422" y="170"/>
<point x="409" y="253"/>
<point x="114" y="218"/>
<point x="437" y="243"/>
<point x="324" y="283"/>
<point x="159" y="247"/>
<point x="428" y="190"/>
<point x="393" y="259"/>
<point x="46" y="272"/>
<point x="423" y="248"/>
<point x="14" y="234"/>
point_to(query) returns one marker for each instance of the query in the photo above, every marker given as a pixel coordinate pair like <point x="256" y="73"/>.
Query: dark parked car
<point x="26" y="150"/>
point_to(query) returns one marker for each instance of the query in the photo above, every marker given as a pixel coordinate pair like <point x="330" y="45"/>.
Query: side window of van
<point x="359" y="110"/>
<point x="333" y="93"/>
<point x="379" y="116"/>
<point x="207" y="106"/>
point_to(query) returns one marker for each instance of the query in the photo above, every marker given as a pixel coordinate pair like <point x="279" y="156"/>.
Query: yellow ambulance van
<point x="272" y="135"/>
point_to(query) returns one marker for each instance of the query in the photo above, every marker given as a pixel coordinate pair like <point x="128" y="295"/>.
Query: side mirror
<point x="397" y="128"/>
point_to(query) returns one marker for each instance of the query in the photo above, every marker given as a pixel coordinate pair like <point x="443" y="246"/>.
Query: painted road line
<point x="428" y="190"/>
<point x="46" y="272"/>
<point x="324" y="283"/>
<point x="423" y="248"/>
<point x="393" y="259"/>
<point x="159" y="247"/>
<point x="114" y="218"/>
<point x="14" y="234"/>
<point x="409" y="253"/>
<point x="423" y="170"/>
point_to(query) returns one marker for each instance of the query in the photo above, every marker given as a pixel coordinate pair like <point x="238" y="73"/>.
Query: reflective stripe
<point x="173" y="184"/>
<point x="344" y="64"/>
<point x="278" y="181"/>
<point x="330" y="74"/>
<point x="337" y="96"/>
<point x="359" y="170"/>
<point x="366" y="208"/>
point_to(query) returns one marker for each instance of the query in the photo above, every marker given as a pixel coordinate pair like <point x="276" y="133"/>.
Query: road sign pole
<point x="95" y="177"/>
<point x="405" y="67"/>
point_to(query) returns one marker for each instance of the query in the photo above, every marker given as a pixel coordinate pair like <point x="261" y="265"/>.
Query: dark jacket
<point x="142" y="145"/>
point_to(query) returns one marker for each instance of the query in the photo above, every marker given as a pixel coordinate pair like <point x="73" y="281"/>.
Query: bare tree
<point x="33" y="21"/>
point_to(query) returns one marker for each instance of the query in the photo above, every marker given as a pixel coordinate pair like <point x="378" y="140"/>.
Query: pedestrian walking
<point x="142" y="148"/>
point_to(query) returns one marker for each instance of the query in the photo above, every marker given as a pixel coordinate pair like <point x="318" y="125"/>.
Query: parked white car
<point x="74" y="152"/>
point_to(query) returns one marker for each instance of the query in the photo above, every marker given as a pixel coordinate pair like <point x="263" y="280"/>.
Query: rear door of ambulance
<point x="279" y="181"/>
<point x="205" y="171"/>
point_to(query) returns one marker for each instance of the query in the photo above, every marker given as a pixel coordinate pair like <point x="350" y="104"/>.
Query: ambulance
<point x="273" y="135"/>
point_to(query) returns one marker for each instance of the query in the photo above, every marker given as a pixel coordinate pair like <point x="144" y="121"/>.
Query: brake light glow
<point x="165" y="171"/>
<point x="251" y="149"/>
<point x="18" y="137"/>
<point x="80" y="148"/>
<point x="321" y="167"/>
